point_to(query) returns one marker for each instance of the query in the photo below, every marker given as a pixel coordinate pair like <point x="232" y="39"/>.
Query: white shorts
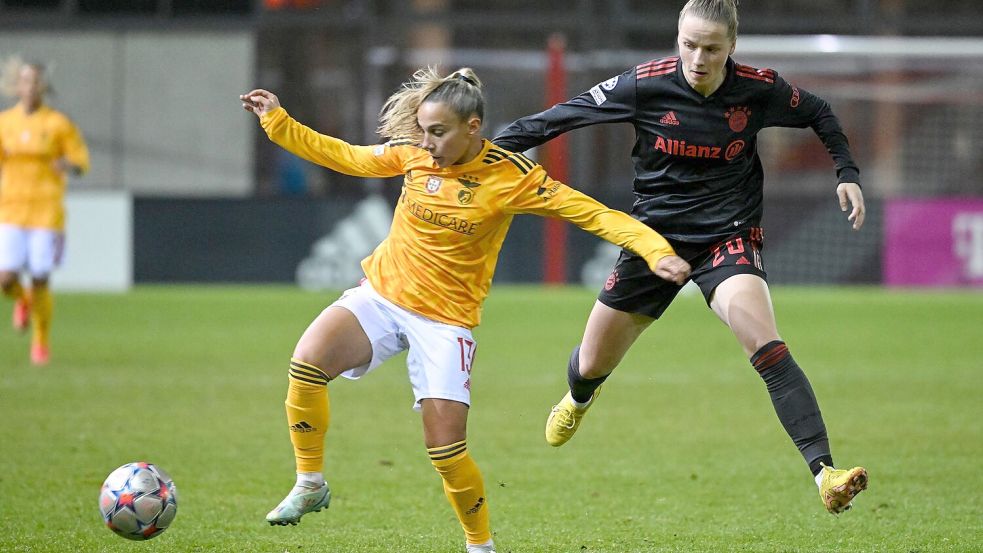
<point x="440" y="355"/>
<point x="38" y="251"/>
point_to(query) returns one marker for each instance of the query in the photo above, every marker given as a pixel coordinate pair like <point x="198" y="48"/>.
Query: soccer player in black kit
<point x="698" y="182"/>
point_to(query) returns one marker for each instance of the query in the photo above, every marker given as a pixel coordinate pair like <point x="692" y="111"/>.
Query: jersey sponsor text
<point x="444" y="220"/>
<point x="681" y="148"/>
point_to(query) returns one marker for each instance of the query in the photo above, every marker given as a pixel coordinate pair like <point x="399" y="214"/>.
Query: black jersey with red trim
<point x="698" y="177"/>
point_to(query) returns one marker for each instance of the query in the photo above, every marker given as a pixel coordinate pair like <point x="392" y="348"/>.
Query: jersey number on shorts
<point x="467" y="353"/>
<point x="734" y="247"/>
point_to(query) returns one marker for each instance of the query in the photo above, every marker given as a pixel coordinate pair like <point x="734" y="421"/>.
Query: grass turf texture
<point x="683" y="451"/>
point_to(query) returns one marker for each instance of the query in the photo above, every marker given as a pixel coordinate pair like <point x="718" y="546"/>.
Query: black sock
<point x="795" y="403"/>
<point x="581" y="389"/>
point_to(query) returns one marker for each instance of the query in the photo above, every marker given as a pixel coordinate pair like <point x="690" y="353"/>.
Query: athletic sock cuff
<point x="445" y="455"/>
<point x="305" y="372"/>
<point x="581" y="389"/>
<point x="769" y="355"/>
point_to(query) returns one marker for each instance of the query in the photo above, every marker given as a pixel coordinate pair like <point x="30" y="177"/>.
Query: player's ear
<point x="733" y="45"/>
<point x="474" y="125"/>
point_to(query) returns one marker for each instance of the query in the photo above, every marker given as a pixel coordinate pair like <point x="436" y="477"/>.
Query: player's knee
<point x="597" y="363"/>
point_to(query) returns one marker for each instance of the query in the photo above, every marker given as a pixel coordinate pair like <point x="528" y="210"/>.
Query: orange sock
<point x="42" y="308"/>
<point x="308" y="414"/>
<point x="15" y="291"/>
<point x="464" y="488"/>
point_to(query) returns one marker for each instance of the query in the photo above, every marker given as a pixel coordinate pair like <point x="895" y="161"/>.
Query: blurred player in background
<point x="426" y="281"/>
<point x="39" y="147"/>
<point x="699" y="181"/>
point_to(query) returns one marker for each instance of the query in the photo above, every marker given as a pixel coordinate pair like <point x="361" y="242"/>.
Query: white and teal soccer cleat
<point x="298" y="503"/>
<point x="839" y="487"/>
<point x="487" y="547"/>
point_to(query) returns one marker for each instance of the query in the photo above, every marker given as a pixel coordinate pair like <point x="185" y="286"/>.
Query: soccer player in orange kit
<point x="426" y="281"/>
<point x="39" y="146"/>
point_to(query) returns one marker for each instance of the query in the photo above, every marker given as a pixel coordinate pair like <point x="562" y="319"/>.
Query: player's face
<point x="30" y="87"/>
<point x="703" y="49"/>
<point x="449" y="139"/>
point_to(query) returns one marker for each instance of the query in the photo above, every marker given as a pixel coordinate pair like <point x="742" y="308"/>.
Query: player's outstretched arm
<point x="259" y="101"/>
<point x="850" y="192"/>
<point x="333" y="153"/>
<point x="555" y="199"/>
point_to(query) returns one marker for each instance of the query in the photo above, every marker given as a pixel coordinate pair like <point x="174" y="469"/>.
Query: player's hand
<point x="850" y="191"/>
<point x="62" y="165"/>
<point x="259" y="101"/>
<point x="673" y="268"/>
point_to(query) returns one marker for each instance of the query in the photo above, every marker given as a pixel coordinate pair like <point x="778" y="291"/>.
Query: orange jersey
<point x="450" y="222"/>
<point x="32" y="190"/>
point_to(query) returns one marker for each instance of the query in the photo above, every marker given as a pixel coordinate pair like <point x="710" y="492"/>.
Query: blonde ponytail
<point x="461" y="91"/>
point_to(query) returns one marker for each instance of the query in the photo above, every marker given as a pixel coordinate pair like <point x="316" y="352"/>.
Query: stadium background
<point x="152" y="85"/>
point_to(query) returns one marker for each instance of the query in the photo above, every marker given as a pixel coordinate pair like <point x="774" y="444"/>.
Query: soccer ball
<point x="138" y="501"/>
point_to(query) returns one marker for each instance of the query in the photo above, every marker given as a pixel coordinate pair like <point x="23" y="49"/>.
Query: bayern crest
<point x="611" y="281"/>
<point x="737" y="118"/>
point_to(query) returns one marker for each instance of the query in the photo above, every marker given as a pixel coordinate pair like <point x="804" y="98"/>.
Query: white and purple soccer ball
<point x="138" y="501"/>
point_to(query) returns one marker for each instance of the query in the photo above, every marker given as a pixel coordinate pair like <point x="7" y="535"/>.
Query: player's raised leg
<point x="608" y="336"/>
<point x="743" y="302"/>
<point x="332" y="344"/>
<point x="445" y="434"/>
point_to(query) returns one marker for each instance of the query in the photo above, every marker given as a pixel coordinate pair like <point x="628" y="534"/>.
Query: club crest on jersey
<point x="465" y="196"/>
<point x="737" y="118"/>
<point x="468" y="181"/>
<point x="433" y="184"/>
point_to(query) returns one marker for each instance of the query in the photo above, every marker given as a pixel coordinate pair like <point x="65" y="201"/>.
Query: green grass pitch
<point x="682" y="452"/>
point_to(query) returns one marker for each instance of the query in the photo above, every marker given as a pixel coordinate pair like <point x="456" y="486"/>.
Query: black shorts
<point x="633" y="288"/>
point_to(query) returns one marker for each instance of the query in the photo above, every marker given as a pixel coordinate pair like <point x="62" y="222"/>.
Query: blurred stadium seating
<point x="152" y="83"/>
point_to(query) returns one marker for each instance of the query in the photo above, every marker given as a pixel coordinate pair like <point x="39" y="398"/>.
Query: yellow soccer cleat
<point x="839" y="487"/>
<point x="565" y="418"/>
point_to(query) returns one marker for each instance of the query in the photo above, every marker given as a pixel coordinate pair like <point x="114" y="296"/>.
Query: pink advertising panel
<point x="934" y="242"/>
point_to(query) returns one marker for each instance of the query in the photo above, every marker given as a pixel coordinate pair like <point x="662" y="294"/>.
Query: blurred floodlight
<point x="828" y="43"/>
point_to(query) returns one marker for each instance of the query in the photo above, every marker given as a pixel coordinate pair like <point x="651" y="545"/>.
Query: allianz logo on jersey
<point x="676" y="147"/>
